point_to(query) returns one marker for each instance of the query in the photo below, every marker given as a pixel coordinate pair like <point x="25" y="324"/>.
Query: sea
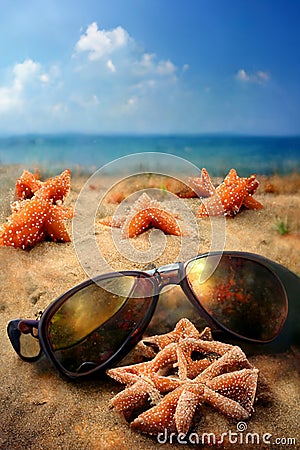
<point x="217" y="153"/>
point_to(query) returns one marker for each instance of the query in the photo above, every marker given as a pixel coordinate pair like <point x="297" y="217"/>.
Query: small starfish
<point x="41" y="215"/>
<point x="144" y="214"/>
<point x="230" y="195"/>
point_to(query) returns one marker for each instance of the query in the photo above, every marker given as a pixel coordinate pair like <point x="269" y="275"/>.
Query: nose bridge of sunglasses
<point x="168" y="274"/>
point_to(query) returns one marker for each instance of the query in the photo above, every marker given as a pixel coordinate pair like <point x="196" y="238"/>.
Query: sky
<point x="150" y="66"/>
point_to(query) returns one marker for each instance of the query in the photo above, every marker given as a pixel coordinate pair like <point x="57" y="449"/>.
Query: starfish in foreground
<point x="145" y="213"/>
<point x="230" y="196"/>
<point x="230" y="391"/>
<point x="187" y="372"/>
<point x="38" y="213"/>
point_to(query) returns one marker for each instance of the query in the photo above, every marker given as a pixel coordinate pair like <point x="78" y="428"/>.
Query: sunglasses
<point x="96" y="323"/>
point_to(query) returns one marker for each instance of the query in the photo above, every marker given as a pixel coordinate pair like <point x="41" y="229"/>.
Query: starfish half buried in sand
<point x="177" y="382"/>
<point x="228" y="198"/>
<point x="145" y="213"/>
<point x="38" y="213"/>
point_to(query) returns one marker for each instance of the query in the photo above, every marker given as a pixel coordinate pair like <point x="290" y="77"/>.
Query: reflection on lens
<point x="242" y="295"/>
<point x="29" y="346"/>
<point x="93" y="323"/>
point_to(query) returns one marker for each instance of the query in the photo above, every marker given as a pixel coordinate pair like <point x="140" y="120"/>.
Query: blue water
<point x="218" y="154"/>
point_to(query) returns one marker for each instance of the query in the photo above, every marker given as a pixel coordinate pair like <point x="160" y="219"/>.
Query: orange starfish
<point x="39" y="216"/>
<point x="145" y="213"/>
<point x="230" y="195"/>
<point x="224" y="385"/>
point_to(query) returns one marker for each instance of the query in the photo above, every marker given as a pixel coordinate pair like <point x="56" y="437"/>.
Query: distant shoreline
<point x="265" y="155"/>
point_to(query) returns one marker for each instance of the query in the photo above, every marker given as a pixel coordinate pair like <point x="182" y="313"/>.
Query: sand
<point x="41" y="410"/>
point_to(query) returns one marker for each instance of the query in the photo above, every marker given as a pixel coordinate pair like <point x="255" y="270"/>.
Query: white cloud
<point x="111" y="82"/>
<point x="45" y="78"/>
<point x="26" y="78"/>
<point x="166" y="67"/>
<point x="256" y="77"/>
<point x="11" y="95"/>
<point x="110" y="65"/>
<point x="99" y="43"/>
<point x="241" y="75"/>
<point x="9" y="98"/>
<point x="26" y="70"/>
<point x="148" y="65"/>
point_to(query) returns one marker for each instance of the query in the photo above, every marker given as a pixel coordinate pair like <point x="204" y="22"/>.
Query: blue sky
<point x="150" y="66"/>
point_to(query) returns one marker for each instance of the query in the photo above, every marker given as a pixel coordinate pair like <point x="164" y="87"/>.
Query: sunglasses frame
<point x="166" y="275"/>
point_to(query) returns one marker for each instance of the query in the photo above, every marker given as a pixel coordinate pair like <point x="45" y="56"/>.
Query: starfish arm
<point x="225" y="405"/>
<point x="211" y="206"/>
<point x="235" y="356"/>
<point x="160" y="417"/>
<point x="54" y="225"/>
<point x="112" y="221"/>
<point x="165" y="221"/>
<point x="55" y="188"/>
<point x="252" y="184"/>
<point x="251" y="203"/>
<point x="135" y="396"/>
<point x="27" y="185"/>
<point x="137" y="224"/>
<point x="231" y="178"/>
<point x="123" y="376"/>
<point x="160" y="364"/>
<point x="239" y="386"/>
<point x="25" y="227"/>
<point x="183" y="329"/>
<point x="202" y="185"/>
<point x="186" y="407"/>
<point x="127" y="374"/>
<point x="165" y="384"/>
<point x="195" y="355"/>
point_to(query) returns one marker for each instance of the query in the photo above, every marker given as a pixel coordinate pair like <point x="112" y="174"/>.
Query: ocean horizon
<point x="217" y="153"/>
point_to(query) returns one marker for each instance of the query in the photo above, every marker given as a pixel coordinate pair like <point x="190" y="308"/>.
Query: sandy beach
<point x="41" y="410"/>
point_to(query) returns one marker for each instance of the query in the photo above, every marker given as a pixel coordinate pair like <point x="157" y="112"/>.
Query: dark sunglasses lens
<point x="92" y="325"/>
<point x="241" y="294"/>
